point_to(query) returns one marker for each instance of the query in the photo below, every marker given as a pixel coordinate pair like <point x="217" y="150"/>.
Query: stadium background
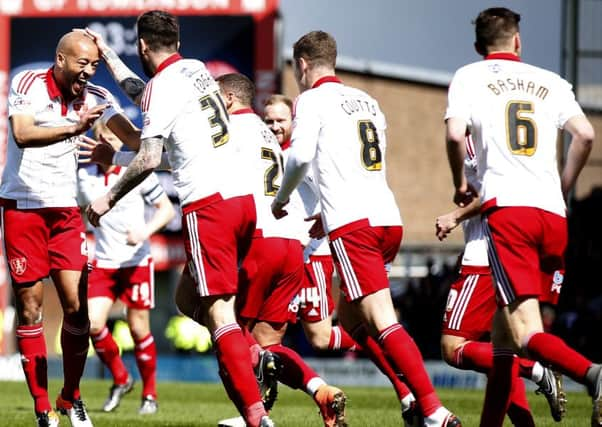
<point x="401" y="52"/>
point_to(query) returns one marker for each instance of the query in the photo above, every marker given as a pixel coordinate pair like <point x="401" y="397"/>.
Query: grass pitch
<point x="202" y="405"/>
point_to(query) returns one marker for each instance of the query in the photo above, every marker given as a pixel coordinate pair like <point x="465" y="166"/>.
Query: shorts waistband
<point x="201" y="203"/>
<point x="475" y="269"/>
<point x="348" y="228"/>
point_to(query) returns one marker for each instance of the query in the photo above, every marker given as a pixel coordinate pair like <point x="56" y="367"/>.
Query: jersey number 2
<point x="371" y="155"/>
<point x="521" y="131"/>
<point x="271" y="173"/>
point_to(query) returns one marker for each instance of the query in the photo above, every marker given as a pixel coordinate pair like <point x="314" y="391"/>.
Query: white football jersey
<point x="514" y="111"/>
<point x="263" y="160"/>
<point x="41" y="177"/>
<point x="181" y="103"/>
<point x="309" y="194"/>
<point x="343" y="130"/>
<point x="112" y="250"/>
<point x="475" y="245"/>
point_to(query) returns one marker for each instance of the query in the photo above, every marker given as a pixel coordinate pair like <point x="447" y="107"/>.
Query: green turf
<point x="188" y="404"/>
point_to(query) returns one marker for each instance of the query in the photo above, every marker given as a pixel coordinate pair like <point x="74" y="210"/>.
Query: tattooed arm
<point x="130" y="83"/>
<point x="145" y="162"/>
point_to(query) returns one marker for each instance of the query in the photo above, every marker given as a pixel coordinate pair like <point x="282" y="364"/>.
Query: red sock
<point x="341" y="340"/>
<point x="551" y="350"/>
<point x="401" y="350"/>
<point x="525" y="367"/>
<point x="146" y="359"/>
<point x="254" y="347"/>
<point x="233" y="356"/>
<point x="519" y="411"/>
<point x="499" y="386"/>
<point x="108" y="352"/>
<point x="474" y="356"/>
<point x="32" y="346"/>
<point x="295" y="372"/>
<point x="373" y="350"/>
<point x="74" y="342"/>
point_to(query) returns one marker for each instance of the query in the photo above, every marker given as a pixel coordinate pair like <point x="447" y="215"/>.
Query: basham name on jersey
<point x="510" y="84"/>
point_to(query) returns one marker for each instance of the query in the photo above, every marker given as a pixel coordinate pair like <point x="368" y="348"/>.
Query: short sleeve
<point x="113" y="108"/>
<point x="21" y="96"/>
<point x="306" y="129"/>
<point x="567" y="104"/>
<point x="458" y="100"/>
<point x="158" y="109"/>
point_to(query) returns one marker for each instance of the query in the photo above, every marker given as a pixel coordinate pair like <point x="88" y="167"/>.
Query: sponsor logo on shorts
<point x="557" y="280"/>
<point x="18" y="265"/>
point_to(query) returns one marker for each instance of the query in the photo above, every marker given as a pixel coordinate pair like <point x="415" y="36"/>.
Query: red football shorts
<point x="217" y="234"/>
<point x="360" y="253"/>
<point x="40" y="240"/>
<point x="526" y="253"/>
<point x="470" y="304"/>
<point x="135" y="286"/>
<point x="315" y="298"/>
<point x="269" y="278"/>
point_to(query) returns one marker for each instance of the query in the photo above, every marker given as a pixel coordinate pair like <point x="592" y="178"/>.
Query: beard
<point x="145" y="65"/>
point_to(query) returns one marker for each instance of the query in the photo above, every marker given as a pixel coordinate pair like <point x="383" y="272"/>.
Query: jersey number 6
<point x="521" y="131"/>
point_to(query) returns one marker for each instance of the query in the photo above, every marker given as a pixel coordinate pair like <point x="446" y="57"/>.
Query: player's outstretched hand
<point x="87" y="117"/>
<point x="98" y="208"/>
<point x="92" y="151"/>
<point x="135" y="236"/>
<point x="278" y="209"/>
<point x="444" y="225"/>
<point x="316" y="231"/>
<point x="102" y="46"/>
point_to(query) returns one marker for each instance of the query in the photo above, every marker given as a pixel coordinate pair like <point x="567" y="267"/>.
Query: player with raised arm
<point x="513" y="111"/>
<point x="183" y="111"/>
<point x="315" y="300"/>
<point x="340" y="131"/>
<point x="123" y="268"/>
<point x="465" y="341"/>
<point x="43" y="231"/>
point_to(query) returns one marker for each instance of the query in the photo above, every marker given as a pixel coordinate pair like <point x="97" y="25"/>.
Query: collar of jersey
<point x="243" y="111"/>
<point x="286" y="145"/>
<point x="170" y="60"/>
<point x="503" y="55"/>
<point x="326" y="79"/>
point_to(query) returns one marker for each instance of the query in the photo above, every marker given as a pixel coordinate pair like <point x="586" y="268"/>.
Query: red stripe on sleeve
<point x="37" y="76"/>
<point x="24" y="81"/>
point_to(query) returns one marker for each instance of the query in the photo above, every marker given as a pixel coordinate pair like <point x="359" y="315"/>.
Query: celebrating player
<point x="183" y="111"/>
<point x="123" y="268"/>
<point x="43" y="231"/>
<point x="358" y="209"/>
<point x="513" y="111"/>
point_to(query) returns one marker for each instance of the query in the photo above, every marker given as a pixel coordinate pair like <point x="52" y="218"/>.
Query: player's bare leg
<point x="72" y="289"/>
<point x="378" y="315"/>
<point x="145" y="352"/>
<point x="322" y="335"/>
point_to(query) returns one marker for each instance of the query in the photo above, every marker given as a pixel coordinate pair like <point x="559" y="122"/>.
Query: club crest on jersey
<point x="18" y="265"/>
<point x="21" y="102"/>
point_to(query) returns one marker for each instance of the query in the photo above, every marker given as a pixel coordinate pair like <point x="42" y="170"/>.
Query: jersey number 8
<point x="371" y="155"/>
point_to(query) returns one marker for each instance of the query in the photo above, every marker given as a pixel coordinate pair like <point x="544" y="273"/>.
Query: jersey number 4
<point x="521" y="131"/>
<point x="371" y="155"/>
<point x="218" y="118"/>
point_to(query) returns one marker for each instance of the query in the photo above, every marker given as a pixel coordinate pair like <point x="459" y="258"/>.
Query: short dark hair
<point x="159" y="29"/>
<point x="279" y="99"/>
<point x="240" y="85"/>
<point x="494" y="26"/>
<point x="317" y="48"/>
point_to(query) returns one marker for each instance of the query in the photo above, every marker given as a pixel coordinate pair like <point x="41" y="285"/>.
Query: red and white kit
<point x="120" y="270"/>
<point x="272" y="272"/>
<point x="513" y="111"/>
<point x="181" y="103"/>
<point x="40" y="218"/>
<point x="341" y="131"/>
